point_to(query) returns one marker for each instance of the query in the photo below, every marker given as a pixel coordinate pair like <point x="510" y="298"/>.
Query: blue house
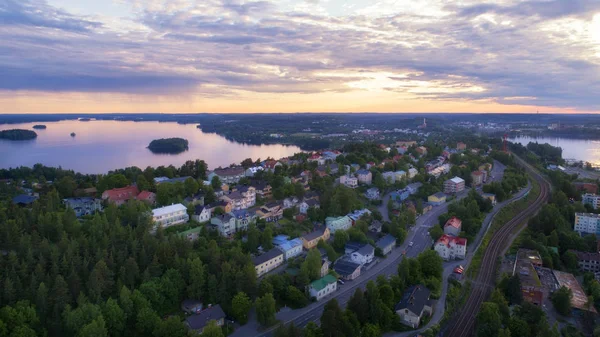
<point x="400" y="195"/>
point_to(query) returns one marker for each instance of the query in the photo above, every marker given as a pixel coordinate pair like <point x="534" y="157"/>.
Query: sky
<point x="299" y="56"/>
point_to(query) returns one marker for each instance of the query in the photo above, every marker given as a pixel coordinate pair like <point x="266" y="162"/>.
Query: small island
<point x="168" y="145"/>
<point x="39" y="126"/>
<point x="17" y="134"/>
<point x="72" y="134"/>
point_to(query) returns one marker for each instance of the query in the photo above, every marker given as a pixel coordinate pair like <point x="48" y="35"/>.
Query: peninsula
<point x="39" y="126"/>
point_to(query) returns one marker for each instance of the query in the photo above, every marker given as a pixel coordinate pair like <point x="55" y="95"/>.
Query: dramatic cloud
<point x="510" y="52"/>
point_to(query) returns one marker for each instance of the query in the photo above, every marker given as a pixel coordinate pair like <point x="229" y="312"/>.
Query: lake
<point x="580" y="149"/>
<point x="101" y="146"/>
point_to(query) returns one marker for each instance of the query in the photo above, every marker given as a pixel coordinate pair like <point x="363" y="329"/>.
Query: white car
<point x="410" y="244"/>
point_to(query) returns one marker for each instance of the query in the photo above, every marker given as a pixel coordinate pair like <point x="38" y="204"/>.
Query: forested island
<point x="17" y="134"/>
<point x="169" y="145"/>
<point x="39" y="126"/>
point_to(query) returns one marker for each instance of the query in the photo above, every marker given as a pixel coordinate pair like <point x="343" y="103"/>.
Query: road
<point x="418" y="234"/>
<point x="464" y="324"/>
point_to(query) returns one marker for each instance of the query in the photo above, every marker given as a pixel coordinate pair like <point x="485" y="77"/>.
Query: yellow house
<point x="437" y="198"/>
<point x="311" y="240"/>
<point x="490" y="196"/>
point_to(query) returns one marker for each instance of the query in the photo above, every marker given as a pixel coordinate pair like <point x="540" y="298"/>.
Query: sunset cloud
<point x="235" y="55"/>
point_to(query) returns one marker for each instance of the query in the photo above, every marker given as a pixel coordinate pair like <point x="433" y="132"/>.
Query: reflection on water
<point x="579" y="149"/>
<point x="101" y="146"/>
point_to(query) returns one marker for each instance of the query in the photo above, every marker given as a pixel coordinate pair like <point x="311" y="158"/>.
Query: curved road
<point x="464" y="324"/>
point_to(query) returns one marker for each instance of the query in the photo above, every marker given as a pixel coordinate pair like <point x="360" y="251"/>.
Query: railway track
<point x="464" y="324"/>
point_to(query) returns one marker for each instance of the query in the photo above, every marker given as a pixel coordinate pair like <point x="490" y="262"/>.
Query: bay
<point x="103" y="145"/>
<point x="578" y="149"/>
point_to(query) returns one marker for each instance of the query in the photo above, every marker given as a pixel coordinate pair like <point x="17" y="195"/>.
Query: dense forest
<point x="17" y="134"/>
<point x="168" y="145"/>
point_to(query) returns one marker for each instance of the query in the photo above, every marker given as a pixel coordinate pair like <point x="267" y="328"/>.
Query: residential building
<point x="372" y="193"/>
<point x="306" y="204"/>
<point x="270" y="165"/>
<point x="311" y="239"/>
<point x="349" y="181"/>
<point x="243" y="218"/>
<point x="400" y="175"/>
<point x="389" y="177"/>
<point x="268" y="261"/>
<point x="491" y="197"/>
<point x="437" y="198"/>
<point x="579" y="301"/>
<point x="364" y="176"/>
<point x="322" y="287"/>
<point x="359" y="213"/>
<point x="290" y="202"/>
<point x="347" y="269"/>
<point x="119" y="196"/>
<point x="222" y="204"/>
<point x="290" y="248"/>
<point x="454" y="185"/>
<point x="324" y="266"/>
<point x="477" y="177"/>
<point x="592" y="199"/>
<point x="84" y="206"/>
<point x="400" y="195"/>
<point x="332" y="168"/>
<point x="422" y="150"/>
<point x="270" y="212"/>
<point x="249" y="194"/>
<point x="451" y="247"/>
<point x="586" y="187"/>
<point x="149" y="197"/>
<point x="251" y="171"/>
<point x="453" y="226"/>
<point x="191" y="234"/>
<point x="229" y="175"/>
<point x="162" y="180"/>
<point x="262" y="189"/>
<point x="412" y="172"/>
<point x="317" y="158"/>
<point x="24" y="199"/>
<point x="405" y="143"/>
<point x="414" y="305"/>
<point x="375" y="226"/>
<point x="413" y="188"/>
<point x="239" y="201"/>
<point x="461" y="146"/>
<point x="199" y="321"/>
<point x="338" y="223"/>
<point x="201" y="214"/>
<point x="386" y="244"/>
<point x="364" y="255"/>
<point x="190" y="306"/>
<point x="224" y="223"/>
<point x="588" y="223"/>
<point x="588" y="262"/>
<point x="169" y="216"/>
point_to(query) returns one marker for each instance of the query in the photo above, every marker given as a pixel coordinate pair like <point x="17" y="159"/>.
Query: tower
<point x="504" y="143"/>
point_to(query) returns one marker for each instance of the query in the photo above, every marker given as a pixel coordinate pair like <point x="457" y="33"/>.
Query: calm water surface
<point x="100" y="146"/>
<point x="580" y="149"/>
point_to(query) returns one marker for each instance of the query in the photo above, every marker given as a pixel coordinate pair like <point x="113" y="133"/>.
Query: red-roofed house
<point x="270" y="165"/>
<point x="147" y="196"/>
<point x="453" y="226"/>
<point x="451" y="247"/>
<point x="317" y="158"/>
<point x="120" y="195"/>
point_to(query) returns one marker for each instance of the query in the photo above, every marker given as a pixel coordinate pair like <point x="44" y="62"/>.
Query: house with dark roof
<point x="347" y="269"/>
<point x="83" y="206"/>
<point x="415" y="303"/>
<point x="386" y="244"/>
<point x="363" y="255"/>
<point x="311" y="239"/>
<point x="24" y="199"/>
<point x="306" y="204"/>
<point x="201" y="213"/>
<point x="267" y="261"/>
<point x="199" y="321"/>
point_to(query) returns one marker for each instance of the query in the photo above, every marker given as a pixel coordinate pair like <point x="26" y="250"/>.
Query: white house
<point x="201" y="214"/>
<point x="587" y="223"/>
<point x="306" y="204"/>
<point x="412" y="172"/>
<point x="322" y="287"/>
<point x="364" y="255"/>
<point x="338" y="223"/>
<point x="389" y="177"/>
<point x="169" y="215"/>
<point x="251" y="171"/>
<point x="372" y="193"/>
<point x="414" y="305"/>
<point x="453" y="226"/>
<point x="451" y="247"/>
<point x="349" y="181"/>
<point x="225" y="224"/>
<point x="400" y="175"/>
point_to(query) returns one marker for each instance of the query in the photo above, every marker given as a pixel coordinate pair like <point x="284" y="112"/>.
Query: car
<point x="410" y="244"/>
<point x="340" y="282"/>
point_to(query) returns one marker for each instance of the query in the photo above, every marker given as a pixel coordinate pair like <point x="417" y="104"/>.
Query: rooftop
<point x="439" y="195"/>
<point x="386" y="241"/>
<point x="579" y="299"/>
<point x="366" y="250"/>
<point x="168" y="210"/>
<point x="323" y="282"/>
<point x="199" y="321"/>
<point x="454" y="222"/>
<point x="270" y="255"/>
<point x="447" y="239"/>
<point x="316" y="234"/>
<point x="457" y="180"/>
<point x="345" y="267"/>
<point x="588" y="215"/>
<point x="414" y="299"/>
